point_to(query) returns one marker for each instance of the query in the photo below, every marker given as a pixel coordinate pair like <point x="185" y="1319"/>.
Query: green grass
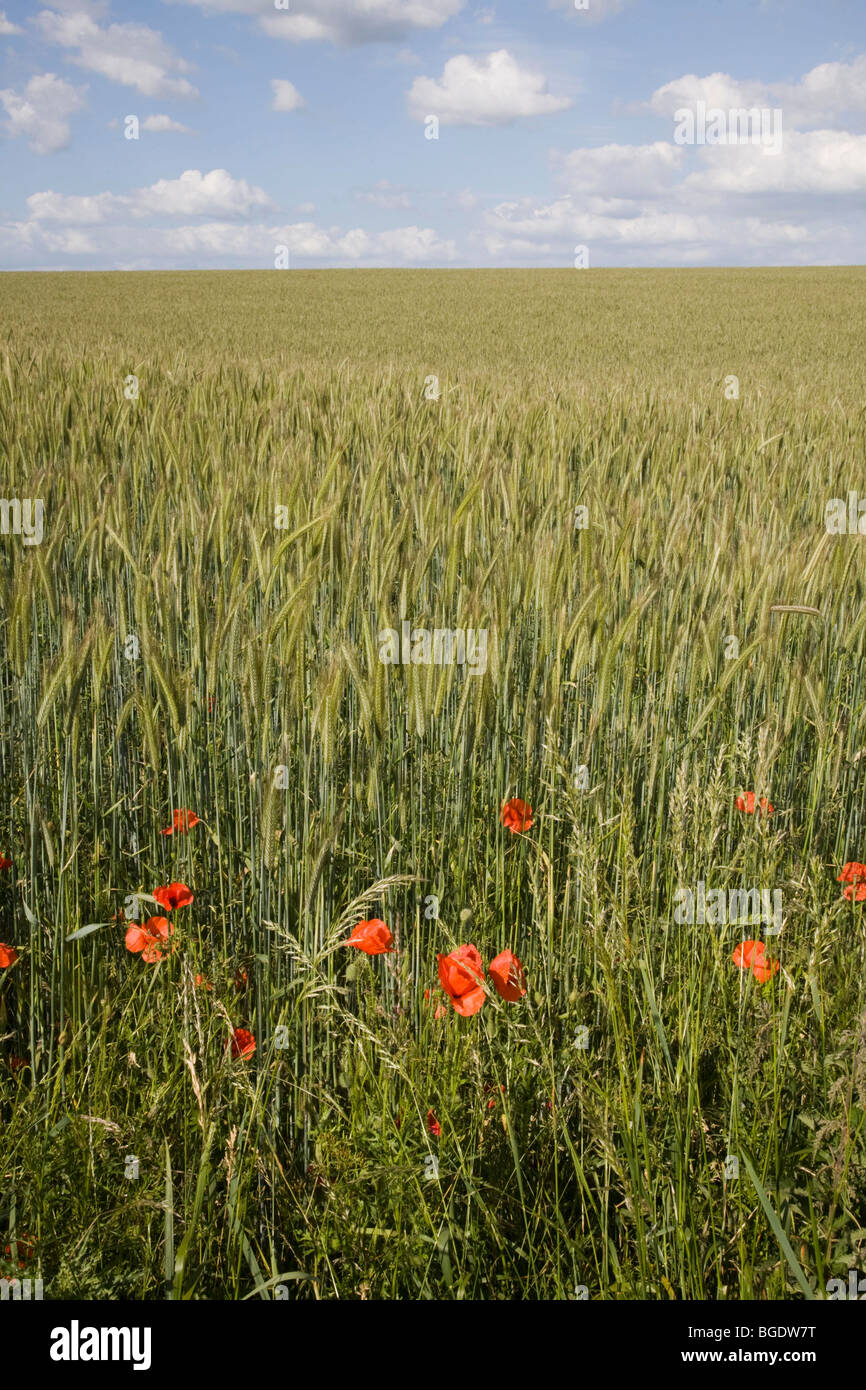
<point x="305" y="1165"/>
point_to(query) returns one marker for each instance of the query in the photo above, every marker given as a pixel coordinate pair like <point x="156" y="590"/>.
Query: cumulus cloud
<point x="825" y="95"/>
<point x="130" y="54"/>
<point x="6" y="25"/>
<point x="820" y="162"/>
<point x="218" y="242"/>
<point x="41" y="112"/>
<point x="483" y="92"/>
<point x="286" y="96"/>
<point x="158" y="124"/>
<point x="192" y="195"/>
<point x="344" y="22"/>
<point x="195" y="194"/>
<point x="523" y="231"/>
<point x="626" y="171"/>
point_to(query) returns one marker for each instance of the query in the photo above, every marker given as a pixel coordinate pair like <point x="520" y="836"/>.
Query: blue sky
<point x="262" y="127"/>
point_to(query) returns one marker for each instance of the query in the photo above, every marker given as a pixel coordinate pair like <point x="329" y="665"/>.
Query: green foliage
<point x="305" y="1165"/>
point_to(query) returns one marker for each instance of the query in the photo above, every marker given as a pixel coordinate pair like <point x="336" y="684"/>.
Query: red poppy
<point x="856" y="893"/>
<point x="8" y="956"/>
<point x="506" y="973"/>
<point x="747" y="803"/>
<point x="373" y="938"/>
<point x="183" y="821"/>
<point x="26" y="1249"/>
<point x="517" y="815"/>
<point x="751" y="955"/>
<point x="4" y="862"/>
<point x="173" y="895"/>
<point x="16" y="1063"/>
<point x="433" y="1124"/>
<point x="441" y="1009"/>
<point x="852" y="872"/>
<point x="203" y="983"/>
<point x="240" y="981"/>
<point x="136" y="939"/>
<point x="148" y="939"/>
<point x="243" y="1044"/>
<point x="460" y="974"/>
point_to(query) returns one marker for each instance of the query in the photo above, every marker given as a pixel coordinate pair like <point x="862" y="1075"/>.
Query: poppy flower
<point x="852" y="872"/>
<point x="441" y="1009"/>
<point x="856" y="893"/>
<point x="751" y="955"/>
<point x="16" y="1063"/>
<point x="203" y="983"/>
<point x="173" y="895"/>
<point x="506" y="973"/>
<point x="243" y="1044"/>
<point x="373" y="938"/>
<point x="433" y="1124"/>
<point x="4" y="862"/>
<point x="148" y="939"/>
<point x="488" y="1086"/>
<point x="747" y="803"/>
<point x="26" y="1247"/>
<point x="517" y="815"/>
<point x="183" y="821"/>
<point x="460" y="974"/>
<point x="136" y="939"/>
<point x="8" y="956"/>
<point x="240" y="981"/>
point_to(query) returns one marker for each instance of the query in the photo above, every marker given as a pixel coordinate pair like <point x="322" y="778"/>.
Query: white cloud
<point x="158" y="124"/>
<point x="286" y="96"/>
<point x="216" y="243"/>
<point x="811" y="162"/>
<point x="41" y="112"/>
<point x="824" y="96"/>
<point x="483" y="92"/>
<point x="195" y="194"/>
<point x="523" y="231"/>
<point x="384" y="195"/>
<point x="345" y="22"/>
<point x="74" y="208"/>
<point x="719" y="89"/>
<point x="595" y="10"/>
<point x="131" y="54"/>
<point x="626" y="171"/>
<point x="6" y="25"/>
<point x="192" y="195"/>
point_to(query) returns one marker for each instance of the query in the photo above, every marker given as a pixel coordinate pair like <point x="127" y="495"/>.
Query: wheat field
<point x="620" y="477"/>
